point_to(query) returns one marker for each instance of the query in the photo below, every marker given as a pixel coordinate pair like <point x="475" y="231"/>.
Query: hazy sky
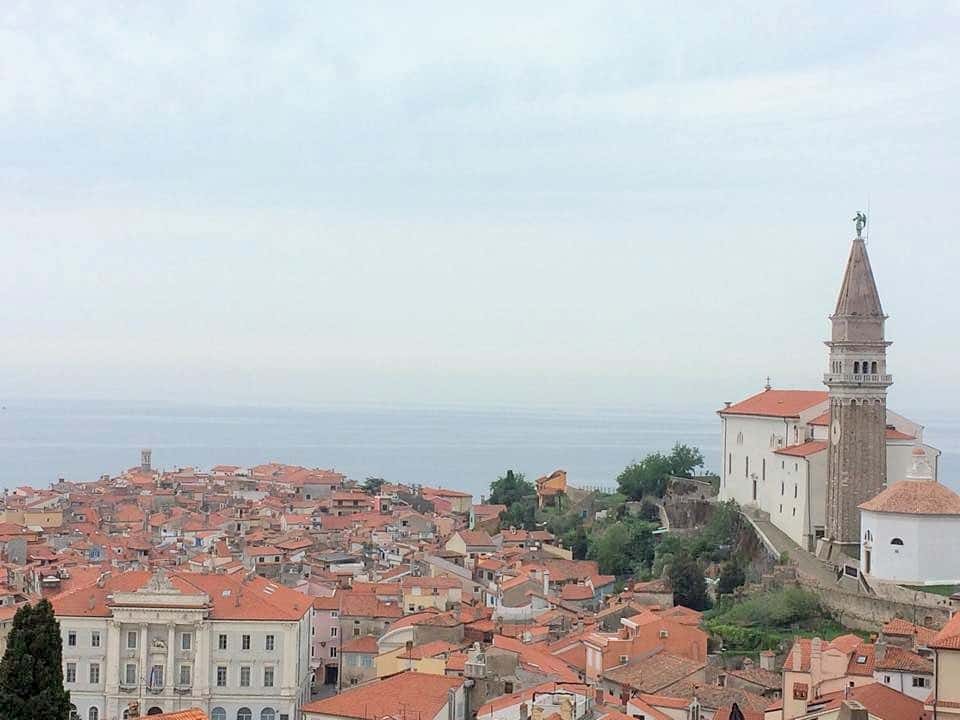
<point x="470" y="202"/>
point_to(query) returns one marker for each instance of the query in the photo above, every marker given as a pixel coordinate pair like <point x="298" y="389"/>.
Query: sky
<point x="603" y="203"/>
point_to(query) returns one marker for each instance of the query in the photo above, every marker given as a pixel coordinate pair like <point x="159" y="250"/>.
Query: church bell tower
<point x="857" y="380"/>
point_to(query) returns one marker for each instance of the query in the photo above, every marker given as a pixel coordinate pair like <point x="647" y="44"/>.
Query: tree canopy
<point x="650" y="475"/>
<point x="519" y="495"/>
<point x="31" y="672"/>
<point x="689" y="585"/>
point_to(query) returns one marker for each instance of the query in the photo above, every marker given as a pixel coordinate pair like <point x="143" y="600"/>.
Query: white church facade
<point x="810" y="459"/>
<point x="775" y="457"/>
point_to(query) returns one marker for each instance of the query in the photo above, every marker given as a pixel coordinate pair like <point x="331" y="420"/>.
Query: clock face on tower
<point x="835" y="432"/>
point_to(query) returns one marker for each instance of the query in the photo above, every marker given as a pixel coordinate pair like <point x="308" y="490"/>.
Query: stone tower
<point x="857" y="380"/>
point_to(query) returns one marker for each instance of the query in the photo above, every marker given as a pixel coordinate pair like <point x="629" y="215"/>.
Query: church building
<point x="810" y="458"/>
<point x="910" y="530"/>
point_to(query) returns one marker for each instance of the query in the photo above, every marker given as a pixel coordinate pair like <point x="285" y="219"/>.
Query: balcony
<point x="128" y="687"/>
<point x="851" y="379"/>
<point x="183" y="689"/>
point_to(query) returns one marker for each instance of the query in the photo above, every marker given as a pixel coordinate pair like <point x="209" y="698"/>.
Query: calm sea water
<point x="462" y="448"/>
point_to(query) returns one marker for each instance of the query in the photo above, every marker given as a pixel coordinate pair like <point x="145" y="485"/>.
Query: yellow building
<point x="944" y="701"/>
<point x="430" y="658"/>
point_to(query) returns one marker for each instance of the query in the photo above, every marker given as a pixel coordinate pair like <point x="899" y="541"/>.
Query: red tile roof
<point x="777" y="403"/>
<point x="915" y="497"/>
<point x="189" y="714"/>
<point x="409" y="694"/>
<point x="811" y="447"/>
<point x="949" y="637"/>
<point x="366" y="645"/>
<point x="903" y="628"/>
<point x="230" y="597"/>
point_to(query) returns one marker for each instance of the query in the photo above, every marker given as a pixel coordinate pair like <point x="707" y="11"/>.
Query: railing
<point x="869" y="379"/>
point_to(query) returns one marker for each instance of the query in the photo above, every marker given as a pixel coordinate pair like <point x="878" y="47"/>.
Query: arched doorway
<point x="155" y="711"/>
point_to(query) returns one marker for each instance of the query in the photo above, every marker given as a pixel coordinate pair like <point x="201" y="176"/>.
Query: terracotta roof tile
<point x="915" y="497"/>
<point x="410" y="694"/>
<point x="777" y="403"/>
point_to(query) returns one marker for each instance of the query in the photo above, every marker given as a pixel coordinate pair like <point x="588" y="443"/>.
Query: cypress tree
<point x="31" y="672"/>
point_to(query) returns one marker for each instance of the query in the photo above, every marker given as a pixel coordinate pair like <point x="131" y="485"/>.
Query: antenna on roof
<point x="767" y="386"/>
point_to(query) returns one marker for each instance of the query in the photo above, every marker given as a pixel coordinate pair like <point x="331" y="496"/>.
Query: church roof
<point x="858" y="293"/>
<point x="777" y="403"/>
<point x="915" y="497"/>
<point x="811" y="447"/>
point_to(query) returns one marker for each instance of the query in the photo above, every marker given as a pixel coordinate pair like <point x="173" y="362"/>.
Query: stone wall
<point x="865" y="612"/>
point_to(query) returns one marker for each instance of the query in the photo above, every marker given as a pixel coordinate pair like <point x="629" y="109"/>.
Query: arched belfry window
<point x="896" y="541"/>
<point x="856" y="368"/>
<point x="873" y="367"/>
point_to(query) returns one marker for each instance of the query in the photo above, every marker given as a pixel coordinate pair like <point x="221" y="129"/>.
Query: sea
<point x="447" y="446"/>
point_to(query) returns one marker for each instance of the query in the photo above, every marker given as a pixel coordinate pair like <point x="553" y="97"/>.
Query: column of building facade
<point x="144" y="673"/>
<point x="201" y="661"/>
<point x="170" y="678"/>
<point x="112" y="668"/>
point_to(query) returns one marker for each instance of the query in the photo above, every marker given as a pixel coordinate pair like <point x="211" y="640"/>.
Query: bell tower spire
<point x="857" y="380"/>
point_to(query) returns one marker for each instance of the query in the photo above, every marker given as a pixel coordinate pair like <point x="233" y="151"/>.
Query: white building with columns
<point x="237" y="648"/>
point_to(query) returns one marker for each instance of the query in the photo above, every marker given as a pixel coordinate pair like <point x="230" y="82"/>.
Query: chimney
<point x="408" y="647"/>
<point x="852" y="710"/>
<point x="880" y="650"/>
<point x="537" y="712"/>
<point x="815" y="646"/>
<point x="145" y="459"/>
<point x="797" y="652"/>
<point x="767" y="660"/>
<point x="546" y="582"/>
<point x="566" y="708"/>
<point x="524" y="711"/>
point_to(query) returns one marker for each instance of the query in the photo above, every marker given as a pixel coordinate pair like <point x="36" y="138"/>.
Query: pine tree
<point x="31" y="672"/>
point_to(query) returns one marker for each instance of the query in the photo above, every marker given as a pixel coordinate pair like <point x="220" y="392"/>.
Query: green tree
<point x="731" y="577"/>
<point x="31" y="672"/>
<point x="510" y="488"/>
<point x="684" y="460"/>
<point x="647" y="477"/>
<point x="372" y="485"/>
<point x="610" y="550"/>
<point x="576" y="540"/>
<point x="689" y="585"/>
<point x="521" y="514"/>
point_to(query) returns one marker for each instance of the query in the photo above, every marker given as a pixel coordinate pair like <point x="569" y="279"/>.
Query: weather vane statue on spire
<point x="861" y="220"/>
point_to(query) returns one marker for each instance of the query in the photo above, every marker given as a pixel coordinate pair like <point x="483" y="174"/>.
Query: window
<point x="72" y="638"/>
<point x="222" y="642"/>
<point x="624" y="659"/>
<point x="794" y="512"/>
<point x="920" y="682"/>
<point x="856" y="368"/>
<point x="186" y="641"/>
<point x="130" y="674"/>
<point x="730" y="463"/>
<point x="861" y="659"/>
<point x="746" y="467"/>
<point x="739" y="438"/>
<point x="796" y="434"/>
<point x="333" y="631"/>
<point x="886" y="679"/>
<point x="334" y="613"/>
<point x="221" y="675"/>
<point x="95" y="642"/>
<point x="873" y="368"/>
<point x="664" y="634"/>
<point x="94" y="673"/>
<point x="93" y="714"/>
<point x="245" y="676"/>
<point x="269" y="642"/>
<point x="763" y="469"/>
<point x="781" y="508"/>
<point x="268" y="714"/>
<point x="245" y="642"/>
<point x="783" y="487"/>
<point x="218" y="713"/>
<point x="896" y="541"/>
<point x="268" y="677"/>
<point x="71" y="672"/>
<point x="131" y="639"/>
<point x="333" y="652"/>
<point x="794" y="491"/>
<point x="185" y="676"/>
<point x="244" y="714"/>
<point x="356" y="632"/>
